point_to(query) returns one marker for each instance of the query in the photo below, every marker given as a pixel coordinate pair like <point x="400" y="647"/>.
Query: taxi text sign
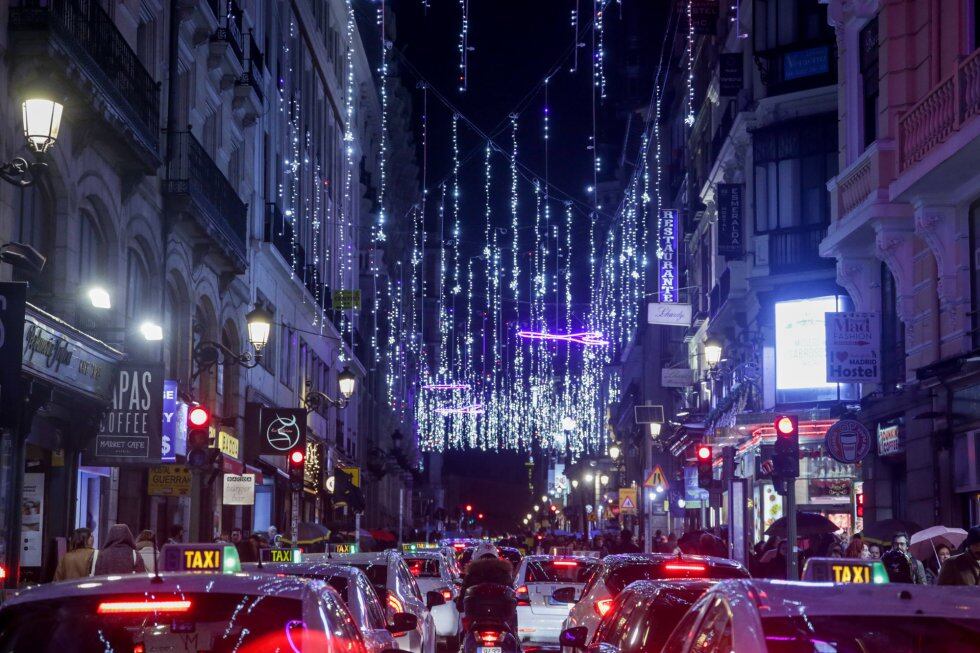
<point x="168" y="481"/>
<point x="238" y="490"/>
<point x="344" y="548"/>
<point x="844" y="571"/>
<point x="193" y="557"/>
<point x="281" y="555"/>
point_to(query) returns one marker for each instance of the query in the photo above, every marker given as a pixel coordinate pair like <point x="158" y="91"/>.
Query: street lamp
<point x="259" y="324"/>
<point x="346" y="383"/>
<point x="604" y="479"/>
<point x="614" y="451"/>
<point x="151" y="331"/>
<point x="208" y="353"/>
<point x="99" y="298"/>
<point x="574" y="483"/>
<point x="42" y="122"/>
<point x="655" y="428"/>
<point x="712" y="353"/>
<point x="588" y="477"/>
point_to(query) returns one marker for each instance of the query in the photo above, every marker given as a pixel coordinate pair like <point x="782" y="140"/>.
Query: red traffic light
<point x="785" y="425"/>
<point x="198" y="416"/>
<point x="479" y="516"/>
<point x="469" y="508"/>
<point x="296" y="457"/>
<point x="704" y="452"/>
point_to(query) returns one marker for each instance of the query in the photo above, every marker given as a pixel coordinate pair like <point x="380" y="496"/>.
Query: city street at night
<point x="490" y="326"/>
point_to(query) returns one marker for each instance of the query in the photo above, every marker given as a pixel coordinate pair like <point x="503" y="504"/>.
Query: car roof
<point x="542" y="557"/>
<point x="647" y="588"/>
<point x="619" y="560"/>
<point x="318" y="568"/>
<point x="375" y="558"/>
<point x="428" y="555"/>
<point x="787" y="599"/>
<point x="238" y="583"/>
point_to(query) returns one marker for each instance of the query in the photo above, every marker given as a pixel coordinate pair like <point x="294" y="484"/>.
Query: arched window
<point x="35" y="227"/>
<point x="137" y="290"/>
<point x="91" y="250"/>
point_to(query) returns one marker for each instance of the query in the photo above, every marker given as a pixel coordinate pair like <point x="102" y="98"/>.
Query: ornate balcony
<point x="76" y="45"/>
<point x="227" y="47"/>
<point x="797" y="249"/>
<point x="196" y="187"/>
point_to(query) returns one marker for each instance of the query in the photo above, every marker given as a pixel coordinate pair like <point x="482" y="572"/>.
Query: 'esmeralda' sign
<point x="130" y="428"/>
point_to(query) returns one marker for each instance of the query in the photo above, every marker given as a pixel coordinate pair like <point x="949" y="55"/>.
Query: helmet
<point x="485" y="551"/>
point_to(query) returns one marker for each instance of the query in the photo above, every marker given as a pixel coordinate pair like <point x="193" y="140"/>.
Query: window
<point x="784" y="22"/>
<point x="892" y="333"/>
<point x="146" y="44"/>
<point x="682" y="634"/>
<point x="212" y="134"/>
<point x="868" y="59"/>
<point x="91" y="250"/>
<point x="136" y="293"/>
<point x="287" y="351"/>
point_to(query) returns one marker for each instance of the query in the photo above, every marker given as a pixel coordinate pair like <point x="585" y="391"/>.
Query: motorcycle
<point x="490" y="620"/>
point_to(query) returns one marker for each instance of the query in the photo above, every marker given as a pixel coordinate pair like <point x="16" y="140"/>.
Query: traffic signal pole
<point x="792" y="573"/>
<point x="294" y="520"/>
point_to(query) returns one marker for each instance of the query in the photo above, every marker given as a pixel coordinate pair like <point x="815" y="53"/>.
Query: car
<point x="508" y="553"/>
<point x="539" y="615"/>
<point x="355" y="590"/>
<point x="773" y="616"/>
<point x="398" y="590"/>
<point x="615" y="572"/>
<point x="180" y="611"/>
<point x="434" y="573"/>
<point x="641" y="618"/>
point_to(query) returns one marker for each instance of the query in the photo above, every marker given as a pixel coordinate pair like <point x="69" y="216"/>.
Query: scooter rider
<point x="487" y="567"/>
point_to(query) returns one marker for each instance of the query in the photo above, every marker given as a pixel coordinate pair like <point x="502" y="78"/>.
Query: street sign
<point x="627" y="501"/>
<point x="281" y="430"/>
<point x="657" y="478"/>
<point x="648" y="414"/>
<point x="848" y="441"/>
<point x="676" y="377"/>
<point x="238" y="490"/>
<point x="344" y="300"/>
<point x="168" y="481"/>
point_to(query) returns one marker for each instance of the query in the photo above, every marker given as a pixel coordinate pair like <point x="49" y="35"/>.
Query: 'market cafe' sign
<point x="130" y="426"/>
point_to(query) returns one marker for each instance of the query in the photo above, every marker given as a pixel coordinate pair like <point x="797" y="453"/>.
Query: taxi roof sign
<point x="211" y="558"/>
<point x="853" y="571"/>
<point x="282" y="555"/>
<point x="344" y="547"/>
<point x="409" y="547"/>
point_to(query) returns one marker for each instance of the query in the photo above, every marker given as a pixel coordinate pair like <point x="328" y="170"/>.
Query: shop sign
<point x="730" y="244"/>
<point x="281" y="429"/>
<point x="806" y="63"/>
<point x="228" y="443"/>
<point x="64" y="361"/>
<point x="891" y="440"/>
<point x="32" y="519"/>
<point x="848" y="441"/>
<point x="168" y="481"/>
<point x="801" y="342"/>
<point x="671" y="314"/>
<point x="13" y="304"/>
<point x="676" y="377"/>
<point x="312" y="465"/>
<point x="238" y="490"/>
<point x="704" y="16"/>
<point x="829" y="490"/>
<point x="853" y="347"/>
<point x="131" y="426"/>
<point x="730" y="74"/>
<point x="667" y="273"/>
<point x="694" y="495"/>
<point x="173" y="438"/>
<point x="344" y="300"/>
<point x="355" y="475"/>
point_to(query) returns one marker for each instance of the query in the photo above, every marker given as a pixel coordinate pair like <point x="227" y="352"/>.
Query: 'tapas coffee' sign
<point x="130" y="427"/>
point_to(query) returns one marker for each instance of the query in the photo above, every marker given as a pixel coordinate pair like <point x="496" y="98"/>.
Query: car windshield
<point x="181" y="623"/>
<point x="423" y="567"/>
<point x="857" y="634"/>
<point x="558" y="571"/>
<point x="622" y="576"/>
<point x="378" y="575"/>
<point x="647" y="630"/>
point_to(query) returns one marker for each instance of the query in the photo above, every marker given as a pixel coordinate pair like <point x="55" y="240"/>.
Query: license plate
<point x="488" y="649"/>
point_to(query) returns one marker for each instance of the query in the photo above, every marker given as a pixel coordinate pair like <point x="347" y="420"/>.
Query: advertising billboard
<point x="801" y="351"/>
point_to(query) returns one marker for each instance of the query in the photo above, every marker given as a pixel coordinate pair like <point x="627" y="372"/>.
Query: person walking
<point x="176" y="534"/>
<point x="118" y="555"/>
<point x="935" y="563"/>
<point x="77" y="562"/>
<point x="146" y="547"/>
<point x="626" y="543"/>
<point x="899" y="563"/>
<point x="963" y="569"/>
<point x="856" y="548"/>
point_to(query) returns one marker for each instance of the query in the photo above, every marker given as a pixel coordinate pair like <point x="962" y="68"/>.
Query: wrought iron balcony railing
<point x="797" y="249"/>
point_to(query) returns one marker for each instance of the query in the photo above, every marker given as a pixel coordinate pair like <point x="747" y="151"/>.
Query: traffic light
<point x="860" y="504"/>
<point x="786" y="450"/>
<point x="297" y="468"/>
<point x="198" y="436"/>
<point x="469" y="508"/>
<point x="705" y="460"/>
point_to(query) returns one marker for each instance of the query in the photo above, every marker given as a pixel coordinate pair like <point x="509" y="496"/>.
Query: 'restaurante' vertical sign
<point x="667" y="255"/>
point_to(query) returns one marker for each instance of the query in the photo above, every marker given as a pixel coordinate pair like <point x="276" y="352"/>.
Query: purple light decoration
<point x="584" y="338"/>
<point x="472" y="409"/>
<point x="446" y="386"/>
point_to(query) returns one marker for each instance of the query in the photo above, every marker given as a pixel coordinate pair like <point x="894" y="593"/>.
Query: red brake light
<point x="523" y="597"/>
<point x="489" y="637"/>
<point x="142" y="607"/>
<point x="459" y="547"/>
<point x="3" y="572"/>
<point x="603" y="606"/>
<point x="447" y="595"/>
<point x="565" y="563"/>
<point x="685" y="566"/>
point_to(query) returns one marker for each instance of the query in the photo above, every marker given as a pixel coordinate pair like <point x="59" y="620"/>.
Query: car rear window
<point x="378" y="575"/>
<point x="182" y="623"/>
<point x="871" y="634"/>
<point x="423" y="567"/>
<point x="558" y="571"/>
<point x="622" y="576"/>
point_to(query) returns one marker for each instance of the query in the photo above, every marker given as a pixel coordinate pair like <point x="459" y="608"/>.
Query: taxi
<point x="539" y="615"/>
<point x="354" y="589"/>
<point x="796" y="617"/>
<point x="396" y="587"/>
<point x="845" y="570"/>
<point x="434" y="573"/>
<point x="200" y="601"/>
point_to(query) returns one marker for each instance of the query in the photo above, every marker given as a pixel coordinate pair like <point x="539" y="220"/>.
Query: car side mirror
<point x="402" y="622"/>
<point x="564" y="595"/>
<point x="573" y="637"/>
<point x="433" y="599"/>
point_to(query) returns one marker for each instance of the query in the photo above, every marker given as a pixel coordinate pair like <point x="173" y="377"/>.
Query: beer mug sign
<point x="848" y="441"/>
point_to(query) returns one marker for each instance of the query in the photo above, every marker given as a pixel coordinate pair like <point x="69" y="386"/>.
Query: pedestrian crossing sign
<point x="627" y="501"/>
<point x="657" y="479"/>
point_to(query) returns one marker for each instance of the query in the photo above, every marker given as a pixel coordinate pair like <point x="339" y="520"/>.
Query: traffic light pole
<point x="194" y="528"/>
<point x="294" y="519"/>
<point x="792" y="573"/>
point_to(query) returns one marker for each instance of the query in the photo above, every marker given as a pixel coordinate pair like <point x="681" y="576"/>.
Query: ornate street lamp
<point x="614" y="451"/>
<point x="209" y="353"/>
<point x="259" y="324"/>
<point x="712" y="353"/>
<point x="346" y="383"/>
<point x="42" y="122"/>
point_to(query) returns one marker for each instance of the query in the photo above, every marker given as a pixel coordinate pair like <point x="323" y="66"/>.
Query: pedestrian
<point x="247" y="552"/>
<point x="273" y="533"/>
<point x="899" y="563"/>
<point x="599" y="544"/>
<point x="935" y="563"/>
<point x="176" y="534"/>
<point x="77" y="562"/>
<point x="626" y="543"/>
<point x="856" y="548"/>
<point x="118" y="555"/>
<point x="146" y="547"/>
<point x="836" y="551"/>
<point x="963" y="569"/>
<point x="874" y="551"/>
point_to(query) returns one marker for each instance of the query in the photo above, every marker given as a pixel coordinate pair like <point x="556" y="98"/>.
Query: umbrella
<point x="881" y="532"/>
<point x="383" y="536"/>
<point x="808" y="524"/>
<point x="310" y="533"/>
<point x="923" y="544"/>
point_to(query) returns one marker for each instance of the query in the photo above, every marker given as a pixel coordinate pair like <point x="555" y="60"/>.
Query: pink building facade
<point x="904" y="231"/>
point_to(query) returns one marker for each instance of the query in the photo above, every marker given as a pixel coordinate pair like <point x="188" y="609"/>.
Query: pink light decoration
<point x="472" y="409"/>
<point x="585" y="338"/>
<point x="446" y="386"/>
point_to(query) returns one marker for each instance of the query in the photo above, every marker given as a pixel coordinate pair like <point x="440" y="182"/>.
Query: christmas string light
<point x="689" y="114"/>
<point x="584" y="338"/>
<point x="464" y="30"/>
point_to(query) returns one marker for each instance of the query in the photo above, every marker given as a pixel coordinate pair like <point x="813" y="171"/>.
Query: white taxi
<point x="539" y="615"/>
<point x="798" y="617"/>
<point x="433" y="573"/>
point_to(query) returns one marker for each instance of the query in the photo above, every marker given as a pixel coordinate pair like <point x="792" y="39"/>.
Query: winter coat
<point x="962" y="569"/>
<point x="118" y="555"/>
<point x="145" y="551"/>
<point x="490" y="570"/>
<point x="75" y="564"/>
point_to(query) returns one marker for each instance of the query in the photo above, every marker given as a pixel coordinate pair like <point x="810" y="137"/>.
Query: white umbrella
<point x="924" y="543"/>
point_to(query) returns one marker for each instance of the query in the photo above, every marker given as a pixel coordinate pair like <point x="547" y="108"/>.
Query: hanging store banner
<point x="131" y="427"/>
<point x="667" y="272"/>
<point x="676" y="377"/>
<point x="168" y="428"/>
<point x="704" y="16"/>
<point x="13" y="305"/>
<point x="853" y="347"/>
<point x="281" y="429"/>
<point x="848" y="441"/>
<point x="344" y="300"/>
<point x="238" y="490"/>
<point x="669" y="314"/>
<point x="891" y="440"/>
<point x="730" y="73"/>
<point x="168" y="481"/>
<point x="730" y="243"/>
